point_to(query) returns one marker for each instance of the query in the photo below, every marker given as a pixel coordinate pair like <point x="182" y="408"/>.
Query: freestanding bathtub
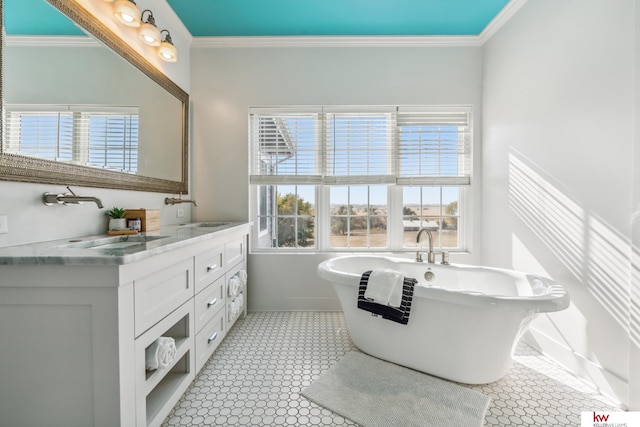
<point x="464" y="323"/>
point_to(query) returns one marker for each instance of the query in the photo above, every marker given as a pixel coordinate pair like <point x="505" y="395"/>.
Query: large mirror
<point x="81" y="83"/>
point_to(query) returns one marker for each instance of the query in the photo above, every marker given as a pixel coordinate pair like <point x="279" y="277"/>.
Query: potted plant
<point x="117" y="221"/>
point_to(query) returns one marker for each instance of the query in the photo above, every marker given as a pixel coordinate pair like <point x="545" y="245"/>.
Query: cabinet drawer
<point x="234" y="252"/>
<point x="158" y="294"/>
<point x="209" y="266"/>
<point x="208" y="339"/>
<point x="209" y="302"/>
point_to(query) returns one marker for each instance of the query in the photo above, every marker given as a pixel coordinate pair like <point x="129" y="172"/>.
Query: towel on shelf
<point x="242" y="274"/>
<point x="385" y="287"/>
<point x="233" y="286"/>
<point x="160" y="353"/>
<point x="396" y="314"/>
<point x="239" y="301"/>
<point x="233" y="311"/>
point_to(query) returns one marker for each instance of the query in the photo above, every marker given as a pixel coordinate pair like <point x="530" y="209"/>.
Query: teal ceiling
<point x="290" y="17"/>
<point x="336" y="17"/>
<point x="36" y="17"/>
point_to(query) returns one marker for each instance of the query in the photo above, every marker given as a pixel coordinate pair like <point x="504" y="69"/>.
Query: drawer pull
<point x="212" y="267"/>
<point x="212" y="337"/>
<point x="212" y="302"/>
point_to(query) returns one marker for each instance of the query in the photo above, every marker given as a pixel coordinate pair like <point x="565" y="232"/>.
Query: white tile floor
<point x="255" y="377"/>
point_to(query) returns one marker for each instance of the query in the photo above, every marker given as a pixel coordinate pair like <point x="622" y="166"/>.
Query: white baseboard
<point x="606" y="382"/>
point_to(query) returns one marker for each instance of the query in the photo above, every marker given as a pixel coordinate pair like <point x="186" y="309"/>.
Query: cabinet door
<point x="158" y="294"/>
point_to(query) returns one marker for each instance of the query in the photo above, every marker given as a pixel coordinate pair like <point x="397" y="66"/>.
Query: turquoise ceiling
<point x="336" y="17"/>
<point x="36" y="17"/>
<point x="290" y="17"/>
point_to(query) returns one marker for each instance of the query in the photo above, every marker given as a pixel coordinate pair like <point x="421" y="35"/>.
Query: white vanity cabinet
<point x="73" y="336"/>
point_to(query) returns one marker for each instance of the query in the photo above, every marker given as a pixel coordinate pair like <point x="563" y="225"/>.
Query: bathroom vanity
<point x="77" y="315"/>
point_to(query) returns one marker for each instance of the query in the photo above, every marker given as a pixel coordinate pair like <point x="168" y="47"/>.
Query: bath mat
<point x="375" y="393"/>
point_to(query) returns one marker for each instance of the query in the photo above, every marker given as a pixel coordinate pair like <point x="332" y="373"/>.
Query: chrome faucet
<point x="69" y="198"/>
<point x="431" y="256"/>
<point x="174" y="201"/>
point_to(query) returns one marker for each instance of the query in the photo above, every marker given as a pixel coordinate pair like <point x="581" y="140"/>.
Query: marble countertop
<point x="102" y="249"/>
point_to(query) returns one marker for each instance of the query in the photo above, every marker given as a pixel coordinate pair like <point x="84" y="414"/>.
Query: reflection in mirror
<point x="79" y="108"/>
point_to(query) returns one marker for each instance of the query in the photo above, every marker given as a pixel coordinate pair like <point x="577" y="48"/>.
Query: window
<point x="353" y="178"/>
<point x="103" y="137"/>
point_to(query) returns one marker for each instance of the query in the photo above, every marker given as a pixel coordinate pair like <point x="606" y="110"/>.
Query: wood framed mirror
<point x="98" y="68"/>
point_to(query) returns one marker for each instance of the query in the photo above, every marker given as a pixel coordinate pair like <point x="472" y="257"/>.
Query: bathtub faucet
<point x="431" y="256"/>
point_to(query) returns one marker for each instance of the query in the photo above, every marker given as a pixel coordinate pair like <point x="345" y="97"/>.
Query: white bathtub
<point x="463" y="325"/>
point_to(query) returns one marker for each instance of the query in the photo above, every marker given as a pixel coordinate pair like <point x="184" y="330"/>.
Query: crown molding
<point x="335" y="41"/>
<point x="501" y="18"/>
<point x="51" y="41"/>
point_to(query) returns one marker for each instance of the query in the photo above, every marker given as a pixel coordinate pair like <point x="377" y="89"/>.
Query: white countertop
<point x="87" y="250"/>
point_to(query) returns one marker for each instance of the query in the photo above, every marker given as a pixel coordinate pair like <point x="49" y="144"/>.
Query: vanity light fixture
<point x="149" y="33"/>
<point x="127" y="13"/>
<point x="167" y="51"/>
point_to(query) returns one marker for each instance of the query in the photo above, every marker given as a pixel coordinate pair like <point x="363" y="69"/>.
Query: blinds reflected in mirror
<point x="97" y="136"/>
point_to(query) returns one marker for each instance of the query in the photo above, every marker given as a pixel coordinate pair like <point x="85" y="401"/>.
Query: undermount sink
<point x="206" y="224"/>
<point x="113" y="242"/>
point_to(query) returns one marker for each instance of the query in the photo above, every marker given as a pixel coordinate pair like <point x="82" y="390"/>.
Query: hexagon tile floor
<point x="256" y="375"/>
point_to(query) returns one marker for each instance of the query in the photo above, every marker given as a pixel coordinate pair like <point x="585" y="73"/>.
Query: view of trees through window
<point x="296" y="222"/>
<point x="356" y="222"/>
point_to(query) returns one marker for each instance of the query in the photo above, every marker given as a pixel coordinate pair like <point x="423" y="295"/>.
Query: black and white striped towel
<point x="395" y="314"/>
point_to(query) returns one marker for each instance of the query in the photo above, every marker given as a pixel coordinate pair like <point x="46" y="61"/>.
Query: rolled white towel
<point x="233" y="310"/>
<point x="160" y="353"/>
<point x="242" y="274"/>
<point x="233" y="286"/>
<point x="385" y="287"/>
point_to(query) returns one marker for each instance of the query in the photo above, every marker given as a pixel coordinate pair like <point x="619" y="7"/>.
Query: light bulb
<point x="150" y="34"/>
<point x="127" y="12"/>
<point x="167" y="51"/>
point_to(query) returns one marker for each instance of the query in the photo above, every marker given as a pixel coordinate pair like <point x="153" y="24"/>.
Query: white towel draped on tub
<point x="385" y="287"/>
<point x="160" y="353"/>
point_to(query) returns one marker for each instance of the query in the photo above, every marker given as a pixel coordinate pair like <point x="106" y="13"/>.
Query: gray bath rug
<point x="375" y="393"/>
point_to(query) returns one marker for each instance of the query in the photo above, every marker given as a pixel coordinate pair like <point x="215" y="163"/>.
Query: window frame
<point x="395" y="202"/>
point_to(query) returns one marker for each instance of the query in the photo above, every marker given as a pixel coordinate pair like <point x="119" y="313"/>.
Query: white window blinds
<point x="434" y="146"/>
<point x="104" y="137"/>
<point x="360" y="145"/>
<point x="285" y="147"/>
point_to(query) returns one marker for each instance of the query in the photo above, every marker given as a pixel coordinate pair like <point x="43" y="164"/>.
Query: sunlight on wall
<point x="594" y="253"/>
<point x="557" y="220"/>
<point x="596" y="258"/>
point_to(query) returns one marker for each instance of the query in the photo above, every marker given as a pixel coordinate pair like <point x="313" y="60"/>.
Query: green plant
<point x="116" y="213"/>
